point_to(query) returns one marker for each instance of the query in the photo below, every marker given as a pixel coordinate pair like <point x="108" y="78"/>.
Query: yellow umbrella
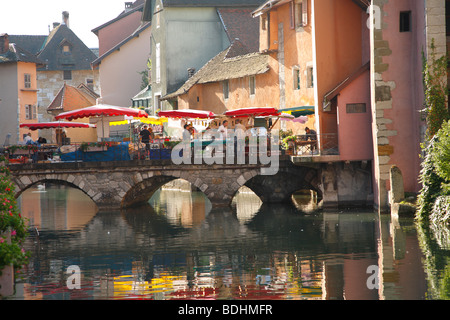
<point x="154" y="120"/>
<point x="149" y="120"/>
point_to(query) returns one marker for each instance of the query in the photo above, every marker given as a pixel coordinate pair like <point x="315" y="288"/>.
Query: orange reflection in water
<point x="56" y="207"/>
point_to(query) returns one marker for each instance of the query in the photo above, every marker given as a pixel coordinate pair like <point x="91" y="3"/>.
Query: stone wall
<point x="50" y="82"/>
<point x="396" y="87"/>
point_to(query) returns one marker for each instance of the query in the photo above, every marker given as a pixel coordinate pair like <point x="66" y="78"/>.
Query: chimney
<point x="4" y="43"/>
<point x="65" y="16"/>
<point x="191" y="72"/>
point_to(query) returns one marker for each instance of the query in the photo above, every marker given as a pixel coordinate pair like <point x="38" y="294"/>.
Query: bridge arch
<point x="25" y="182"/>
<point x="280" y="187"/>
<point x="218" y="188"/>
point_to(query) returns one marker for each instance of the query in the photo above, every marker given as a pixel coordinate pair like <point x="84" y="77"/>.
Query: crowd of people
<point x="146" y="135"/>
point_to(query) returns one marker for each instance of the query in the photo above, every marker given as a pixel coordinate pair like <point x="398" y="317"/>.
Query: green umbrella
<point x="299" y="111"/>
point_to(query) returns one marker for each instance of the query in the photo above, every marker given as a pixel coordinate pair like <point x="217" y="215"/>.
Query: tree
<point x="436" y="91"/>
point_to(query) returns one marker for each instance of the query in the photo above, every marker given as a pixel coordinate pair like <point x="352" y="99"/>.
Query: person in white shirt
<point x="186" y="133"/>
<point x="239" y="125"/>
<point x="223" y="129"/>
<point x="27" y="139"/>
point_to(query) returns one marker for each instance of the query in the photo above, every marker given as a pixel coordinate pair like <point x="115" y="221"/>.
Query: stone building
<point x="68" y="60"/>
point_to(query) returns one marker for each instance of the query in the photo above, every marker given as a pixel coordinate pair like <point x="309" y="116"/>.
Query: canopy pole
<point x="273" y="125"/>
<point x="103" y="130"/>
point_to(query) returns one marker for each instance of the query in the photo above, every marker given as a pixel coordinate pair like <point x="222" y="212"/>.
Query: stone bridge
<point x="121" y="184"/>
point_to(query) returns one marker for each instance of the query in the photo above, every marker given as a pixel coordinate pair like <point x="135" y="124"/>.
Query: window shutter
<point x="34" y="110"/>
<point x="305" y="13"/>
<point x="292" y="12"/>
<point x="158" y="63"/>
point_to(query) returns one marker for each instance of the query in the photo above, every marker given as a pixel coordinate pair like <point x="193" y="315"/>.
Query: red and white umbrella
<point x="101" y="110"/>
<point x="187" y="114"/>
<point x="252" y="112"/>
<point x="56" y="124"/>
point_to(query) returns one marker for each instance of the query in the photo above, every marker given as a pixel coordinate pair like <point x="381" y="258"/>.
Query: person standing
<point x="312" y="135"/>
<point x="144" y="137"/>
<point x="223" y="130"/>
<point x="239" y="136"/>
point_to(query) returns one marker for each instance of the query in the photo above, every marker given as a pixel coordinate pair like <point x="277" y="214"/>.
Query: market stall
<point x="41" y="150"/>
<point x="199" y="121"/>
<point x="101" y="115"/>
<point x="102" y="150"/>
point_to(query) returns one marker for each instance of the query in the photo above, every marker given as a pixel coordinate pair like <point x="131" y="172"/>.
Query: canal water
<point x="178" y="247"/>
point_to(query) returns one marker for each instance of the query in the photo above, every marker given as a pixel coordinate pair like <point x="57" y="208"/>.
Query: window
<point x="90" y="83"/>
<point x="158" y="62"/>
<point x="252" y="85"/>
<point x="67" y="75"/>
<point x="27" y="80"/>
<point x="30" y="112"/>
<point x="66" y="48"/>
<point x="301" y="13"/>
<point x="310" y="77"/>
<point x="296" y="77"/>
<point x="405" y="21"/>
<point x="264" y="22"/>
<point x="356" y="108"/>
<point x="158" y="106"/>
<point x="226" y="89"/>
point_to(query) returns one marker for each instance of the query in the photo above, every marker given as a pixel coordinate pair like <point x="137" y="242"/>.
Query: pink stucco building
<point x="124" y="50"/>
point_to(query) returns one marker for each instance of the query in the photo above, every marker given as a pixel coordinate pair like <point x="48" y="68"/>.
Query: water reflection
<point x="179" y="247"/>
<point x="57" y="207"/>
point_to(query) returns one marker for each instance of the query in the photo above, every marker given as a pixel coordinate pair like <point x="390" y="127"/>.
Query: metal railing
<point x="320" y="144"/>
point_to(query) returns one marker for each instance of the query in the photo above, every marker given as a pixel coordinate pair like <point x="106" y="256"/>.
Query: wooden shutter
<point x="292" y="12"/>
<point x="305" y="13"/>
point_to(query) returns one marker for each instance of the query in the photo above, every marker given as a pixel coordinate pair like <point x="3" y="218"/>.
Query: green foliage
<point x="431" y="185"/>
<point x="285" y="133"/>
<point x="11" y="252"/>
<point x="285" y="141"/>
<point x="436" y="91"/>
<point x="144" y="79"/>
<point x="440" y="155"/>
<point x="170" y="144"/>
<point x="440" y="215"/>
<point x="435" y="173"/>
<point x="145" y="75"/>
<point x="445" y="284"/>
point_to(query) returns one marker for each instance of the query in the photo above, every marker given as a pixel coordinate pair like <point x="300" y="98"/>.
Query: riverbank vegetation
<point x="13" y="229"/>
<point x="434" y="198"/>
<point x="433" y="203"/>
